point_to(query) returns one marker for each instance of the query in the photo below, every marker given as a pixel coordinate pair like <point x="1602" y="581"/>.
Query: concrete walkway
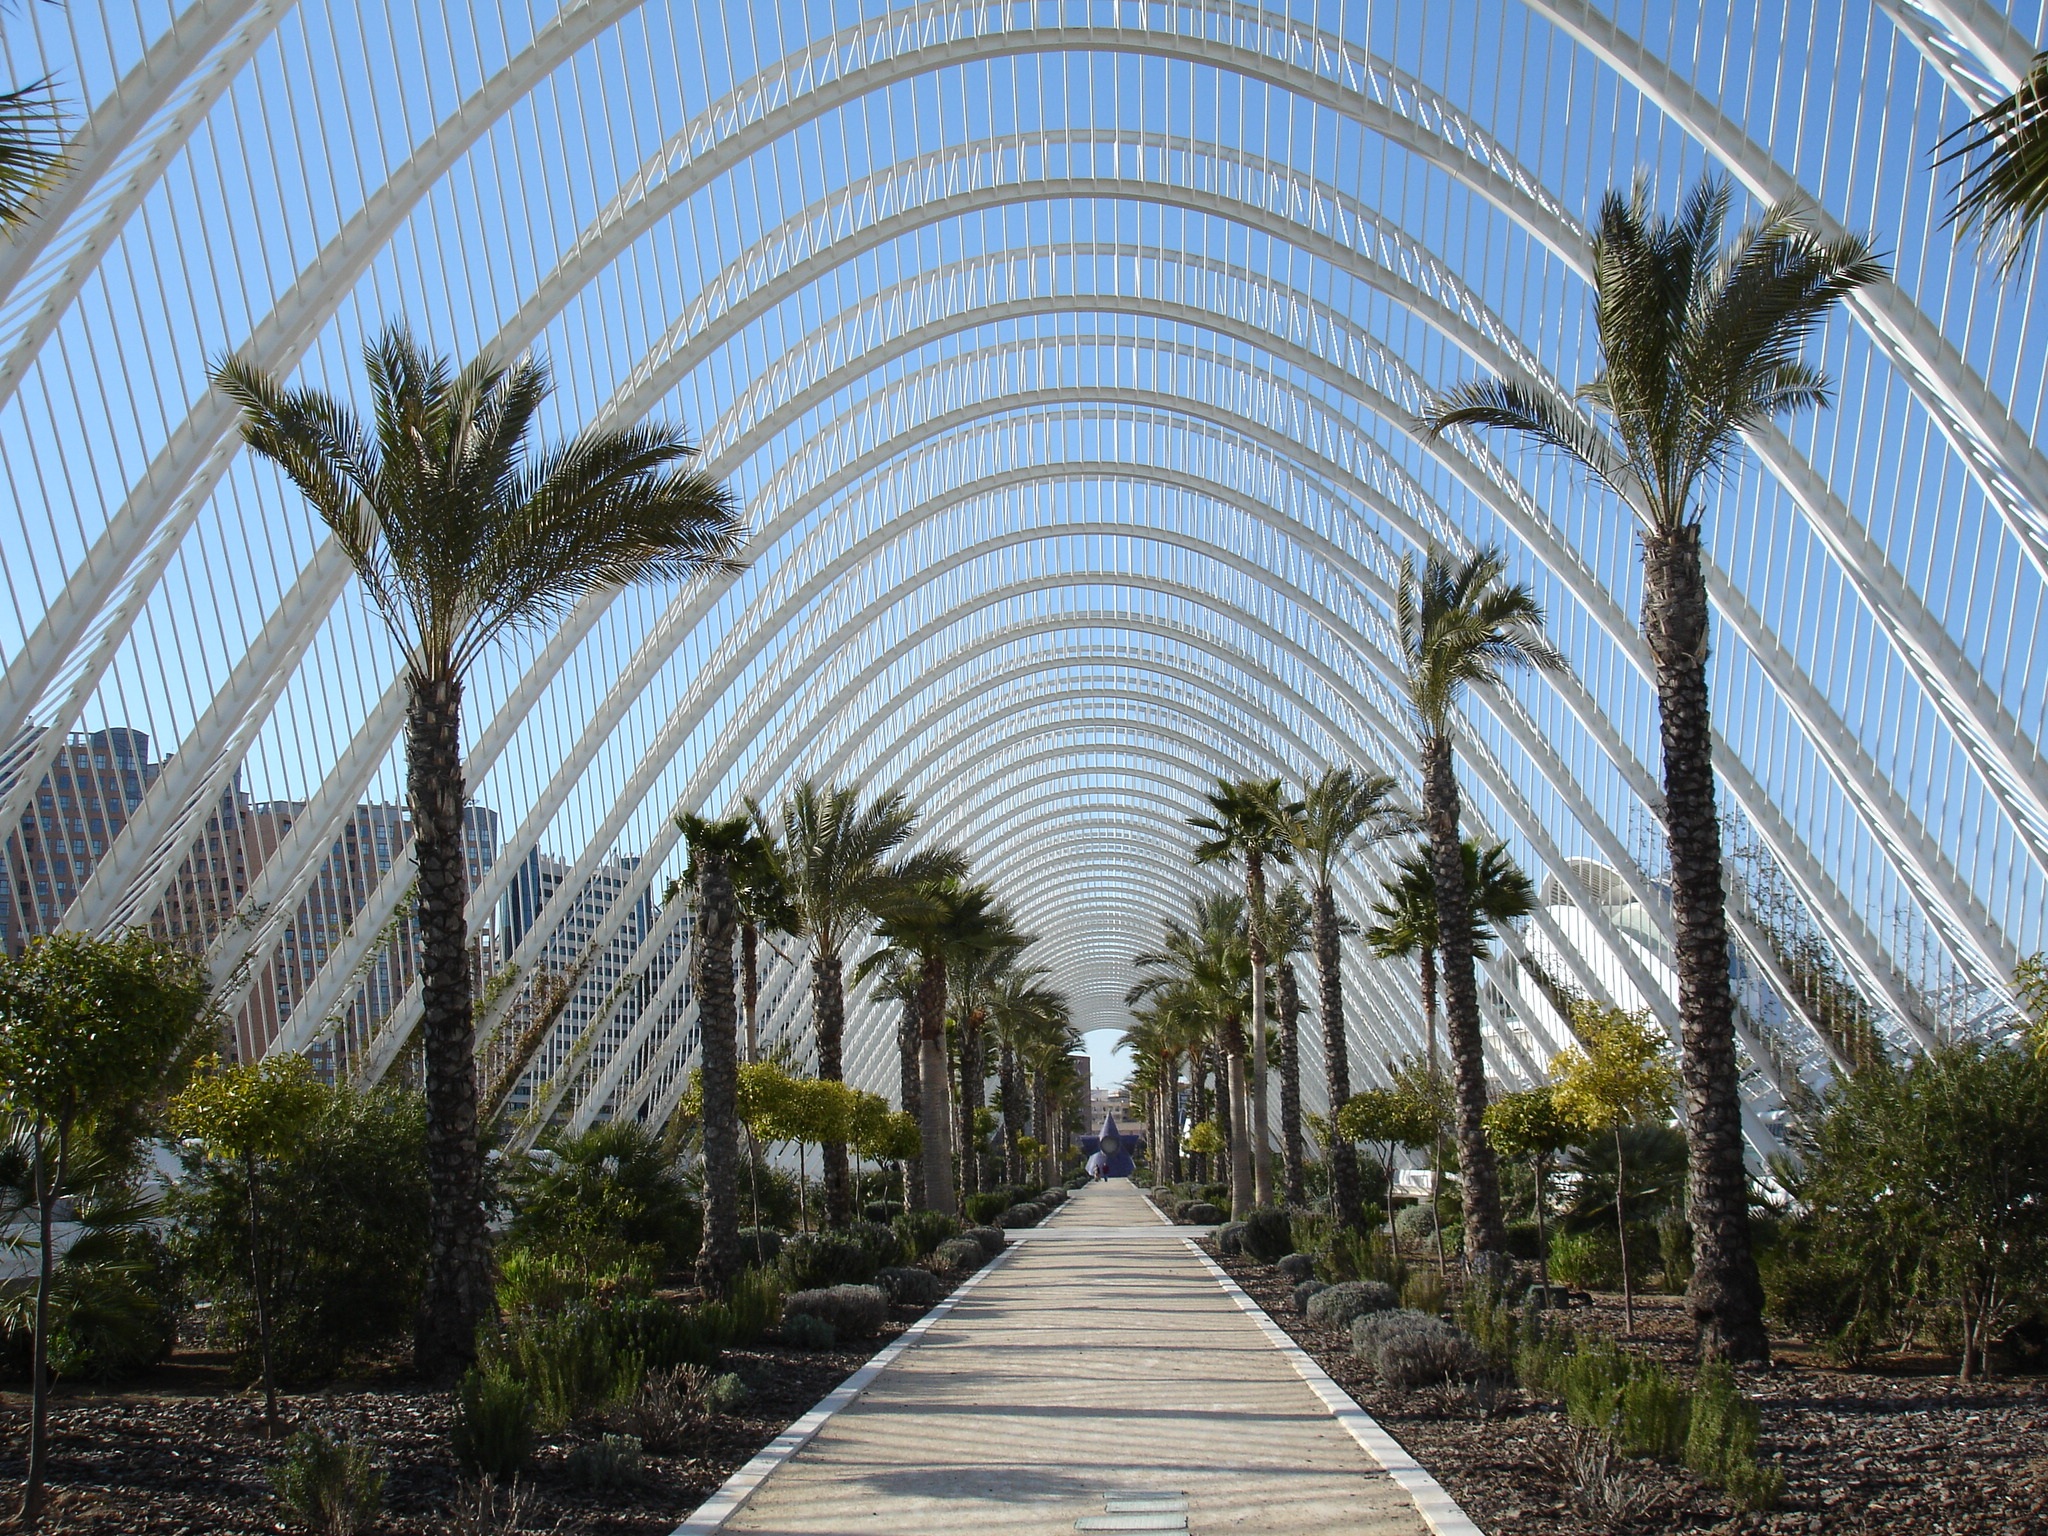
<point x="1099" y="1359"/>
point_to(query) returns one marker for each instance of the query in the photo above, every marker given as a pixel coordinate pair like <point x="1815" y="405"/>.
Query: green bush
<point x="1338" y="1305"/>
<point x="985" y="1208"/>
<point x="1588" y="1260"/>
<point x="921" y="1232"/>
<point x="962" y="1255"/>
<point x="602" y="1199"/>
<point x="854" y="1311"/>
<point x="750" y="1307"/>
<point x="911" y="1287"/>
<point x="344" y="1238"/>
<point x="663" y="1335"/>
<point x="816" y="1259"/>
<point x="991" y="1239"/>
<point x="807" y="1331"/>
<point x="884" y="1211"/>
<point x="1267" y="1234"/>
<point x="1028" y="1214"/>
<point x="1541" y="1352"/>
<point x="1423" y="1292"/>
<point x="1416" y="1223"/>
<point x="1296" y="1266"/>
<point x="1484" y="1314"/>
<point x="1593" y="1379"/>
<point x="1674" y="1250"/>
<point x="1654" y="1414"/>
<point x="1414" y="1349"/>
<point x="494" y="1414"/>
<point x="1360" y="1256"/>
<point x="539" y="1282"/>
<point x="1306" y="1292"/>
<point x="608" y="1463"/>
<point x="881" y="1241"/>
<point x="1720" y="1445"/>
<point x="573" y="1361"/>
<point x="1524" y="1242"/>
<point x="331" y="1484"/>
<point x="727" y="1393"/>
<point x="114" y="1307"/>
<point x="1827" y="1294"/>
<point x="760" y="1245"/>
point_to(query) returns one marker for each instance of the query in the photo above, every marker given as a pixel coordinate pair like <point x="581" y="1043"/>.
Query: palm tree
<point x="1500" y="892"/>
<point x="983" y="948"/>
<point x="900" y="980"/>
<point x="1699" y="344"/>
<point x="460" y="529"/>
<point x="1021" y="1009"/>
<point x="1289" y="918"/>
<point x="763" y="906"/>
<point x="1462" y="625"/>
<point x="1345" y="809"/>
<point x="2005" y="191"/>
<point x="713" y="845"/>
<point x="832" y="860"/>
<point x="1248" y="820"/>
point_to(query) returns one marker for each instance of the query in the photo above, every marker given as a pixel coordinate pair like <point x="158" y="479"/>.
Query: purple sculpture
<point x="1118" y="1150"/>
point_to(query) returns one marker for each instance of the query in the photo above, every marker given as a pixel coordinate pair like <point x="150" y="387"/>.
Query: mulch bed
<point x="182" y="1453"/>
<point x="1908" y="1453"/>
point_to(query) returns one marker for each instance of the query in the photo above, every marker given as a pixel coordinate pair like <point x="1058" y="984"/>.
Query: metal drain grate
<point x="1139" y="1510"/>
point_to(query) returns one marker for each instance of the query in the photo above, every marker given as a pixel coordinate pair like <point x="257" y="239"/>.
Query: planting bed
<point x="182" y="1453"/>
<point x="1908" y="1453"/>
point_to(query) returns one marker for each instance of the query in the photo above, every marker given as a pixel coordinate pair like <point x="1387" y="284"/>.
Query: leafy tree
<point x="1620" y="1074"/>
<point x="460" y="530"/>
<point x="605" y="1200"/>
<point x="1393" y="1120"/>
<point x="2030" y="982"/>
<point x="1531" y="1124"/>
<point x="713" y="848"/>
<point x="810" y="1111"/>
<point x="832" y="860"/>
<point x="1248" y="820"/>
<point x="1941" y="1163"/>
<point x="89" y="1028"/>
<point x="252" y="1115"/>
<point x="1463" y="625"/>
<point x="1699" y="344"/>
<point x="1345" y="809"/>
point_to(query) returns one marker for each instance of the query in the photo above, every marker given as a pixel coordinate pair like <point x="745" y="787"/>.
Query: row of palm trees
<point x="828" y="868"/>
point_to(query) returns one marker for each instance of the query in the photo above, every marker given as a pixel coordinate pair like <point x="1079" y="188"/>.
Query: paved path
<point x="1099" y="1358"/>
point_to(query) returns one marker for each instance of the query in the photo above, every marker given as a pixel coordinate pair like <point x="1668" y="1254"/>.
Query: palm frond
<point x="31" y="149"/>
<point x="2004" y="188"/>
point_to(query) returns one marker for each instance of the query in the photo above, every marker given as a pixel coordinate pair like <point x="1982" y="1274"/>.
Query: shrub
<point x="1416" y="1223"/>
<point x="1230" y="1237"/>
<point x="1423" y="1291"/>
<point x="911" y="1287"/>
<point x="1484" y="1314"/>
<point x="1029" y="1214"/>
<point x="1589" y="1260"/>
<point x="854" y="1311"/>
<point x="921" y="1232"/>
<point x="493" y="1435"/>
<point x="612" y="1461"/>
<point x="1826" y="1294"/>
<point x="1052" y="1198"/>
<point x="962" y="1255"/>
<point x="884" y="1211"/>
<point x="761" y="1245"/>
<point x="752" y="1304"/>
<point x="331" y="1484"/>
<point x="984" y="1208"/>
<point x="1629" y="1398"/>
<point x="1267" y="1234"/>
<point x="1336" y="1306"/>
<point x="1198" y="1213"/>
<point x="667" y="1409"/>
<point x="539" y="1282"/>
<point x="1306" y="1292"/>
<point x="991" y="1239"/>
<point x="665" y="1335"/>
<point x="1720" y="1444"/>
<point x="114" y="1307"/>
<point x="805" y="1331"/>
<point x="344" y="1238"/>
<point x="1351" y="1255"/>
<point x="1296" y="1266"/>
<point x="1541" y="1352"/>
<point x="609" y="1193"/>
<point x="817" y="1259"/>
<point x="727" y="1393"/>
<point x="1424" y="1352"/>
<point x="881" y="1241"/>
<point x="1593" y="1379"/>
<point x="573" y="1362"/>
<point x="1524" y="1241"/>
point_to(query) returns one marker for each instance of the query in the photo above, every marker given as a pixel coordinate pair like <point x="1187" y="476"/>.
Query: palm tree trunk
<point x="720" y="1259"/>
<point x="1289" y="1001"/>
<point x="909" y="1071"/>
<point x="1344" y="1197"/>
<point x="1198" y="1072"/>
<point x="750" y="982"/>
<point x="1255" y="1069"/>
<point x="1426" y="959"/>
<point x="457" y="1293"/>
<point x="47" y="1189"/>
<point x="1169" y="1154"/>
<point x="1013" y="1103"/>
<point x="1725" y="1295"/>
<point x="1628" y="1295"/>
<point x="1240" y="1142"/>
<point x="969" y="1051"/>
<point x="934" y="1121"/>
<point x="828" y="1014"/>
<point x="1485" y="1230"/>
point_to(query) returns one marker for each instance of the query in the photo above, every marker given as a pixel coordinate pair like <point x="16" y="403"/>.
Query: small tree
<point x="1530" y="1124"/>
<point x="252" y="1115"/>
<point x="1393" y="1121"/>
<point x="1430" y="1106"/>
<point x="88" y="1028"/>
<point x="1621" y="1074"/>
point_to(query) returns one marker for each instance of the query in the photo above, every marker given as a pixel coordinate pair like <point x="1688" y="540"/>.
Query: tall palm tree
<point x="832" y="860"/>
<point x="713" y="845"/>
<point x="763" y="907"/>
<point x="1247" y="820"/>
<point x="1343" y="810"/>
<point x="1499" y="890"/>
<point x="1021" y="1009"/>
<point x="1699" y="343"/>
<point x="1462" y="625"/>
<point x="460" y="528"/>
<point x="985" y="946"/>
<point x="2004" y="190"/>
<point x="899" y="979"/>
<point x="1289" y="919"/>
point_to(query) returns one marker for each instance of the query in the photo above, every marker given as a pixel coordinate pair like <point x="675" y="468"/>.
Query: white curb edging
<point x="734" y="1492"/>
<point x="1438" y="1509"/>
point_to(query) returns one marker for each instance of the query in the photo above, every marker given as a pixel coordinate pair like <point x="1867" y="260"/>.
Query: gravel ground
<point x="1905" y="1454"/>
<point x="183" y="1456"/>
